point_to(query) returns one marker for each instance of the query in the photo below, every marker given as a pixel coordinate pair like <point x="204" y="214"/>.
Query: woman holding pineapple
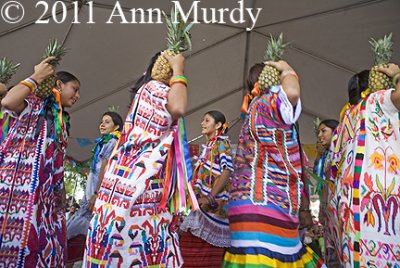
<point x="31" y="170"/>
<point x="365" y="172"/>
<point x="268" y="200"/>
<point x="132" y="224"/>
<point x="129" y="227"/>
<point x="267" y="197"/>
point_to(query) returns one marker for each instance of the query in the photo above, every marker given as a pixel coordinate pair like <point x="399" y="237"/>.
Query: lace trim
<point x="205" y="228"/>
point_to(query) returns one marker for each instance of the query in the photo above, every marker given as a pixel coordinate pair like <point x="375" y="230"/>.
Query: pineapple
<point x="270" y="76"/>
<point x="46" y="87"/>
<point x="7" y="70"/>
<point x="382" y="53"/>
<point x="178" y="41"/>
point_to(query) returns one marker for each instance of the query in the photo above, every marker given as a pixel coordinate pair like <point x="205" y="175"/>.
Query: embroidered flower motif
<point x="376" y="160"/>
<point x="387" y="130"/>
<point x="369" y="218"/>
<point x="394" y="164"/>
<point x="368" y="181"/>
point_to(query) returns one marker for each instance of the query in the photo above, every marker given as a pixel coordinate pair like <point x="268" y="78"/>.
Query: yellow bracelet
<point x="178" y="79"/>
<point x="28" y="85"/>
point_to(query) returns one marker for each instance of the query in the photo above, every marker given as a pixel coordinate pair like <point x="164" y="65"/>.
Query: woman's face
<point x="69" y="92"/>
<point x="107" y="125"/>
<point x="324" y="134"/>
<point x="208" y="126"/>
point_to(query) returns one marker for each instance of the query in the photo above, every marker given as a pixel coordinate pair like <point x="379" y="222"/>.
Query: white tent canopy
<point x="329" y="43"/>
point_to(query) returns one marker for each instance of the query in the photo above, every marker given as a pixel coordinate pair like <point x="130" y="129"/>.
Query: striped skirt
<point x="266" y="236"/>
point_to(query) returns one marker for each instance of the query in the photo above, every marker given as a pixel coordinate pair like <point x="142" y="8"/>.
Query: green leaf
<point x="380" y="187"/>
<point x="391" y="187"/>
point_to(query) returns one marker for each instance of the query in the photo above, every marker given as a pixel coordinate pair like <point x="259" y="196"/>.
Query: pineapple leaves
<point x="7" y="70"/>
<point x="54" y="49"/>
<point x="382" y="49"/>
<point x="178" y="32"/>
<point x="275" y="48"/>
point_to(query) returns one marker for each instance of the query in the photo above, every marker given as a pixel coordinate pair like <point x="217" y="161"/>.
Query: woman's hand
<point x="390" y="71"/>
<point x="43" y="70"/>
<point x="91" y="203"/>
<point x="291" y="84"/>
<point x="281" y="65"/>
<point x="203" y="202"/>
<point x="176" y="62"/>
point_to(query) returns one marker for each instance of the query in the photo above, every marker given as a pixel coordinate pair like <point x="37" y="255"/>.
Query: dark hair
<point x="146" y="77"/>
<point x="218" y="118"/>
<point x="116" y="118"/>
<point x="76" y="205"/>
<point x="66" y="77"/>
<point x="254" y="73"/>
<point x="331" y="123"/>
<point x="357" y="84"/>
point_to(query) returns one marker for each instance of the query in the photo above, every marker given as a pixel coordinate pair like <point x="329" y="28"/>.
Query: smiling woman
<point x="32" y="171"/>
<point x="110" y="129"/>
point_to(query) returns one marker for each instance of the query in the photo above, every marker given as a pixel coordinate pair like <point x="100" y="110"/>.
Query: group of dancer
<point x="248" y="207"/>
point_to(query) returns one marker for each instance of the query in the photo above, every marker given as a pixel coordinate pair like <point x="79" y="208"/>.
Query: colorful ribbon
<point x="178" y="192"/>
<point x="53" y="113"/>
<point x="255" y="92"/>
<point x="4" y="118"/>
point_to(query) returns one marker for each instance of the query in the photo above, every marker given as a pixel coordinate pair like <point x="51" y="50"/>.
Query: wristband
<point x="305" y="210"/>
<point x="396" y="78"/>
<point x="178" y="79"/>
<point x="29" y="83"/>
<point x="211" y="199"/>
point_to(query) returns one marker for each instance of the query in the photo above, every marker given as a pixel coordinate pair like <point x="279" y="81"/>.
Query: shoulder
<point x="223" y="142"/>
<point x="223" y="139"/>
<point x="157" y="85"/>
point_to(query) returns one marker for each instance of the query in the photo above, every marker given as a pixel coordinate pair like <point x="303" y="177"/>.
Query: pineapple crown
<point x="7" y="70"/>
<point x="113" y="108"/>
<point x="382" y="49"/>
<point x="54" y="49"/>
<point x="179" y="37"/>
<point x="275" y="48"/>
<point x="317" y="122"/>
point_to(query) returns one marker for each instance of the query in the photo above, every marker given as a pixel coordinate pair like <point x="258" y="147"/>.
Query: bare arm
<point x="323" y="203"/>
<point x="177" y="96"/>
<point x="393" y="70"/>
<point x="217" y="188"/>
<point x="305" y="213"/>
<point x="15" y="98"/>
<point x="289" y="80"/>
<point x="221" y="183"/>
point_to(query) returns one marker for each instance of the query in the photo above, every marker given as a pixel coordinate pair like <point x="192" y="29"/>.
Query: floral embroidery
<point x="376" y="160"/>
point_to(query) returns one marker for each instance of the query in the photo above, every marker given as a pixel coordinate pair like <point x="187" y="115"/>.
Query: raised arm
<point x="393" y="71"/>
<point x="3" y="91"/>
<point x="14" y="100"/>
<point x="289" y="80"/>
<point x="177" y="96"/>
